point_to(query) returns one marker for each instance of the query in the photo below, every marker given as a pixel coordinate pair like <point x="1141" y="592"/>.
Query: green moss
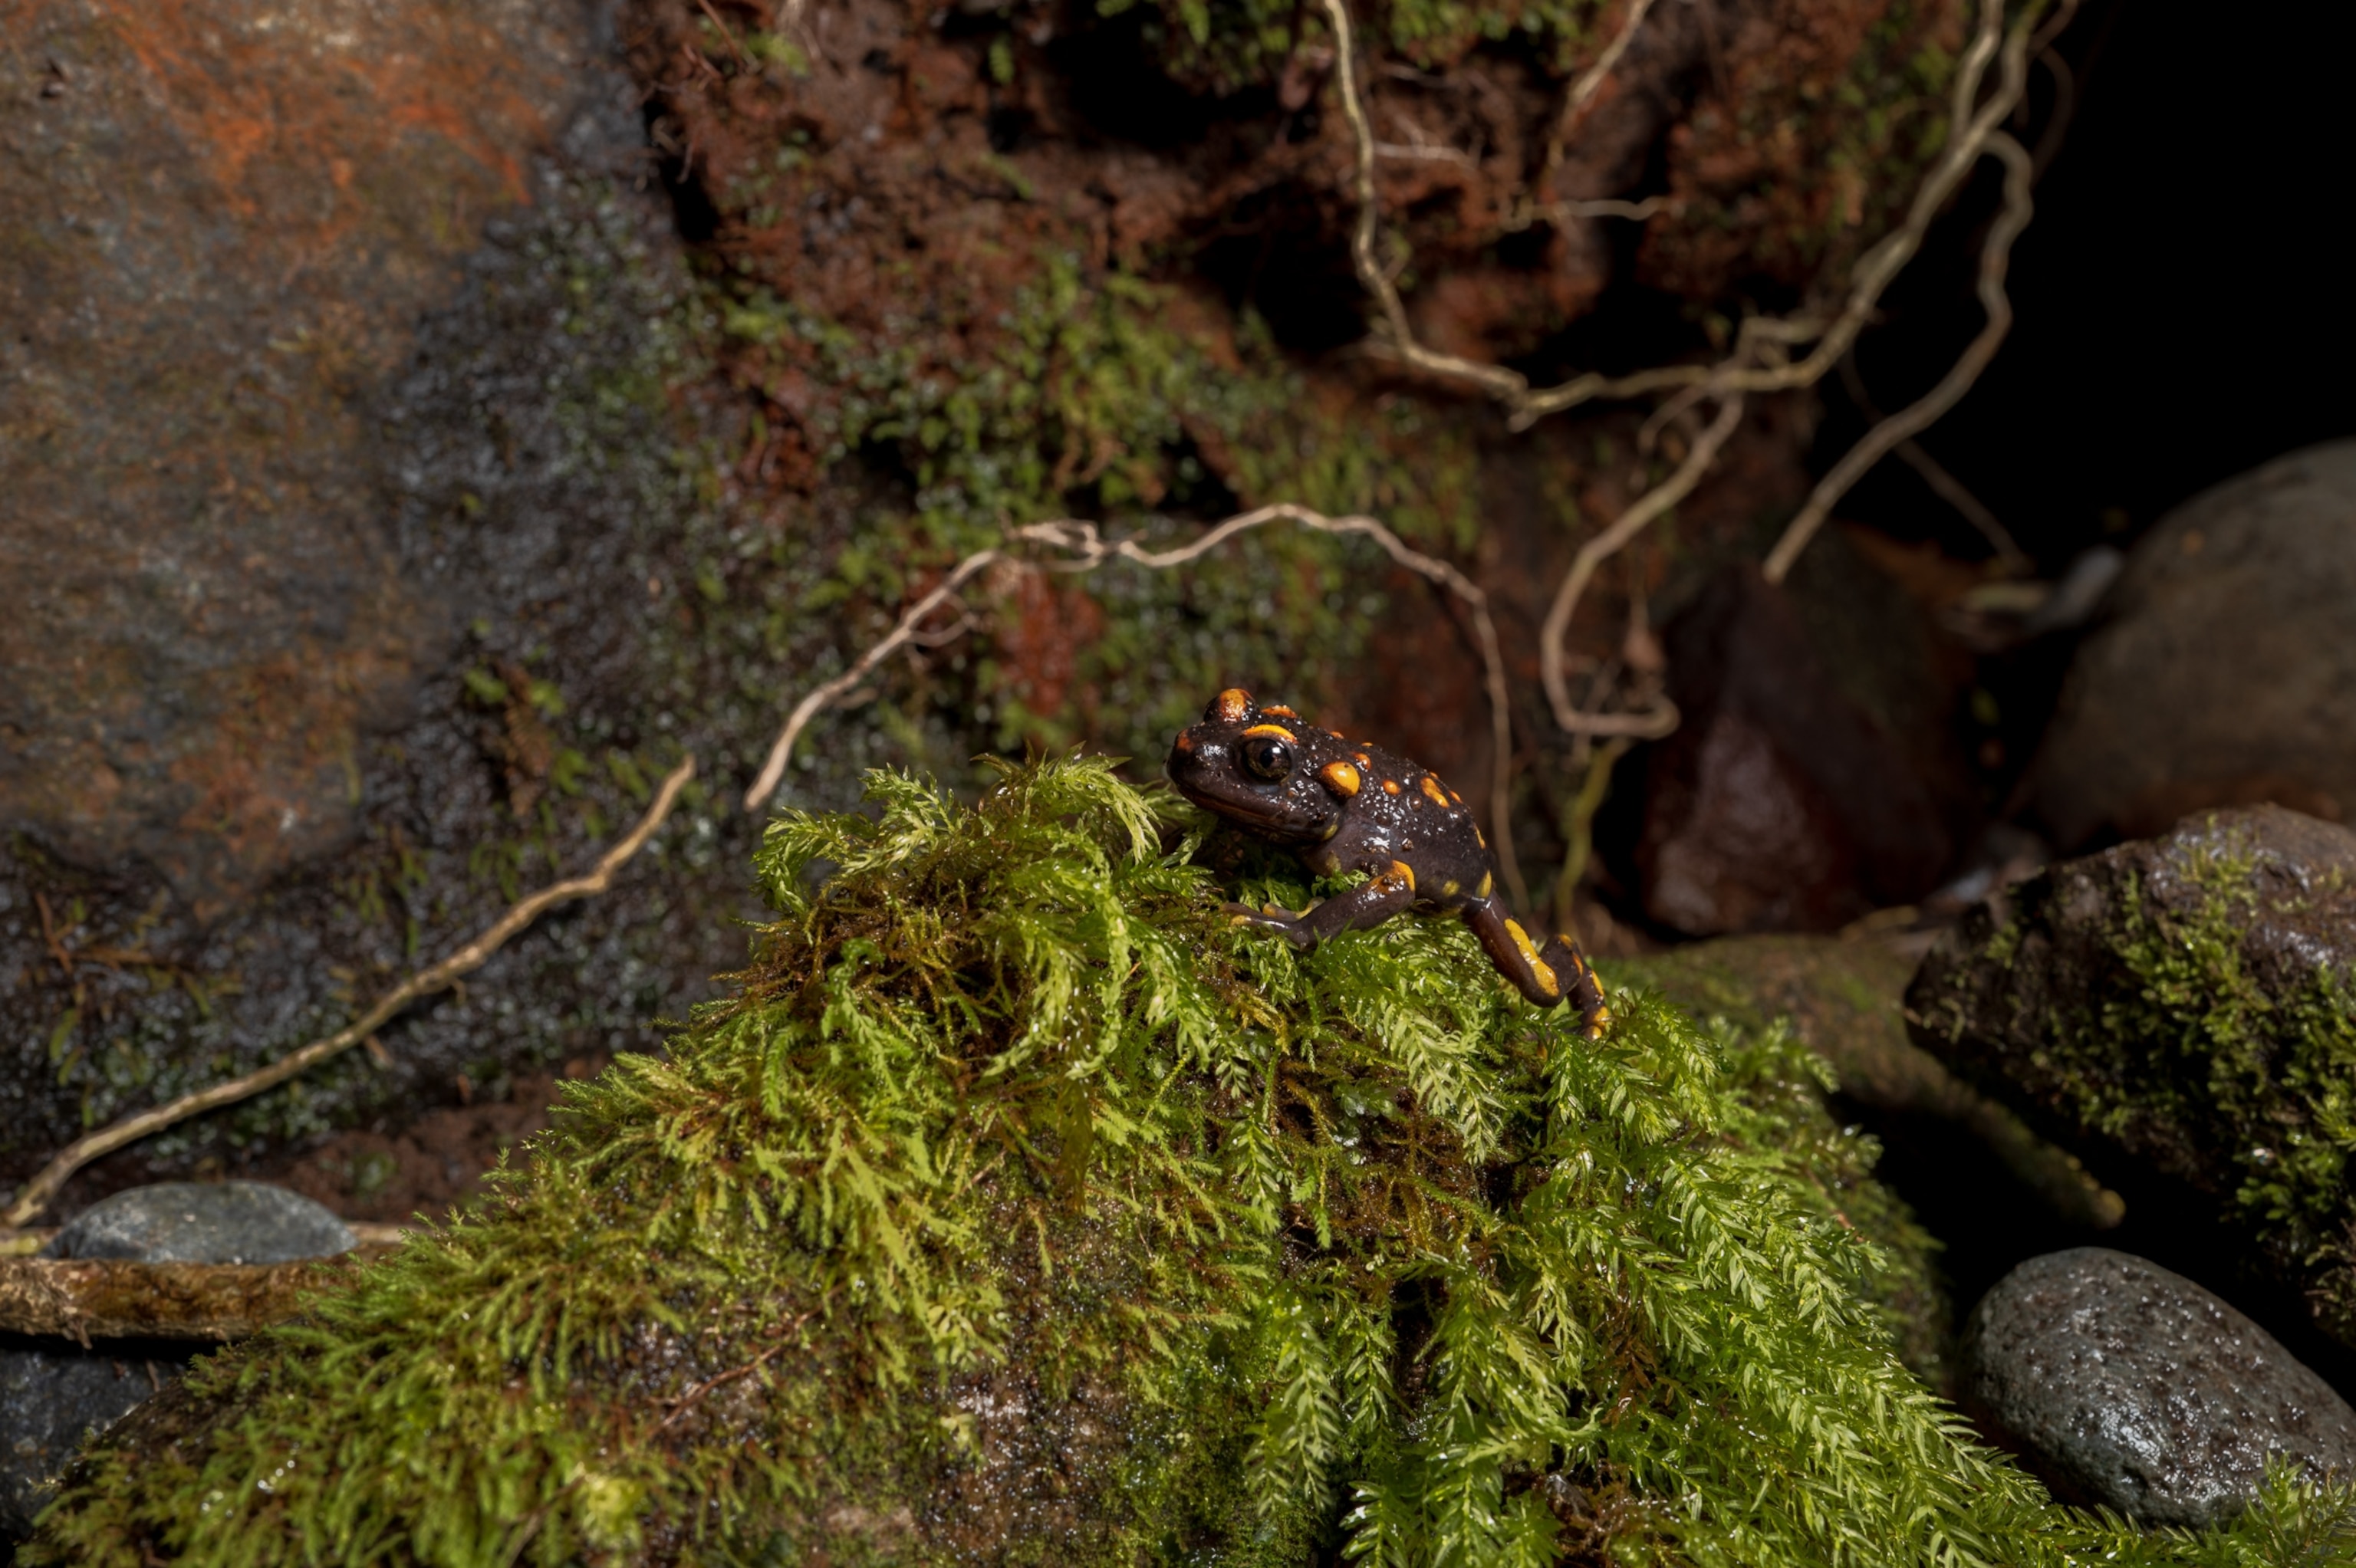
<point x="1020" y="1207"/>
<point x="2275" y="1070"/>
<point x="1830" y="1010"/>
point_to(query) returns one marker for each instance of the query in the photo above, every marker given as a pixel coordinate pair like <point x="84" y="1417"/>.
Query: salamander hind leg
<point x="1509" y="947"/>
<point x="1581" y="986"/>
<point x="1547" y="974"/>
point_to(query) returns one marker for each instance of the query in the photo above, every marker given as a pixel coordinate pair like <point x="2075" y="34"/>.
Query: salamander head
<point x="1257" y="767"/>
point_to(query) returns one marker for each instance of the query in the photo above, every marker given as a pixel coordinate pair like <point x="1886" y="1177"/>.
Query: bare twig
<point x="694" y="1396"/>
<point x="1971" y="123"/>
<point x="773" y="770"/>
<point x="2057" y="125"/>
<point x="1995" y="257"/>
<point x="1579" y="829"/>
<point x="1934" y="472"/>
<point x="36" y="1194"/>
<point x="1427" y="154"/>
<point x="733" y="47"/>
<point x="2055" y="27"/>
<point x="1635" y="211"/>
<point x="1603" y="547"/>
<point x="1398" y="337"/>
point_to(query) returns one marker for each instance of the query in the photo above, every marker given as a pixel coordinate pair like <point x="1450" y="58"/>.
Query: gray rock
<point x="203" y="1223"/>
<point x="55" y="1396"/>
<point x="204" y="614"/>
<point x="2224" y="670"/>
<point x="2134" y="1388"/>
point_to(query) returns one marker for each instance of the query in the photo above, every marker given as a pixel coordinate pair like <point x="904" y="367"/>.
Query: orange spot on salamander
<point x="1279" y="730"/>
<point x="1431" y="788"/>
<point x="1405" y="873"/>
<point x="1341" y="778"/>
<point x="1280" y="712"/>
<point x="1233" y="705"/>
<point x="1390" y="786"/>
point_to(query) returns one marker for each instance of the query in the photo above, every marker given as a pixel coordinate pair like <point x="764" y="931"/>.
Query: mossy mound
<point x="1021" y="1208"/>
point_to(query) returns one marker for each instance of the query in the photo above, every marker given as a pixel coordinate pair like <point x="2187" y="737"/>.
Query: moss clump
<point x="1020" y="1208"/>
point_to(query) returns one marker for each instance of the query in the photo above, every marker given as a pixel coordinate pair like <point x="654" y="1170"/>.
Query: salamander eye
<point x="1267" y="757"/>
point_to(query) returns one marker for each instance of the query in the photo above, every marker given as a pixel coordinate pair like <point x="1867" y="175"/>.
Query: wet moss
<point x="1018" y="1207"/>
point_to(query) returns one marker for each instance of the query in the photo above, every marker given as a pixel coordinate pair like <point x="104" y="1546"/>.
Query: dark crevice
<point x="693" y="212"/>
<point x="1281" y="256"/>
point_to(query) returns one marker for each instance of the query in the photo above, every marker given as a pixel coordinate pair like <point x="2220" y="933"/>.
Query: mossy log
<point x="1020" y="1207"/>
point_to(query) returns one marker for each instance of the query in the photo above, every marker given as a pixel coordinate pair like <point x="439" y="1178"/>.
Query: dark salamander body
<point x="1344" y="806"/>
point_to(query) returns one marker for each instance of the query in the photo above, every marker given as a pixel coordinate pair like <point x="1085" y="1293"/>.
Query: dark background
<point x="2182" y="296"/>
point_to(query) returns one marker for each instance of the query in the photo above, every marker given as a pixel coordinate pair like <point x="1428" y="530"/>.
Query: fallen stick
<point x="84" y="1299"/>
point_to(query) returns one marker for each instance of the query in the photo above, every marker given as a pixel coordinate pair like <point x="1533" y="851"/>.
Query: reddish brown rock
<point x="1786" y="801"/>
<point x="219" y="221"/>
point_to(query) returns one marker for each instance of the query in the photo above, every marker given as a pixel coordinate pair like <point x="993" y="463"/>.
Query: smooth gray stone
<point x="53" y="1397"/>
<point x="2134" y="1388"/>
<point x="203" y="1223"/>
<point x="2222" y="666"/>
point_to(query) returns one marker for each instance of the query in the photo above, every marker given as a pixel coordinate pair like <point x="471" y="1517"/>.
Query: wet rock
<point x="54" y="1396"/>
<point x="1812" y="780"/>
<point x="2133" y="1388"/>
<point x="218" y="225"/>
<point x="2179" y="1008"/>
<point x="525" y="454"/>
<point x="203" y="1223"/>
<point x="2224" y="670"/>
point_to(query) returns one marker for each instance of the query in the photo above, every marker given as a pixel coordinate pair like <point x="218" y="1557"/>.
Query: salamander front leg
<point x="1556" y="973"/>
<point x="1370" y="904"/>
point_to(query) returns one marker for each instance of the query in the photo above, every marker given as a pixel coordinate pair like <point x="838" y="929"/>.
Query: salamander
<point x="1342" y="805"/>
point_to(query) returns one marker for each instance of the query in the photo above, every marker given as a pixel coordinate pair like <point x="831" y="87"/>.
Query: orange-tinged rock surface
<point x="219" y="221"/>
